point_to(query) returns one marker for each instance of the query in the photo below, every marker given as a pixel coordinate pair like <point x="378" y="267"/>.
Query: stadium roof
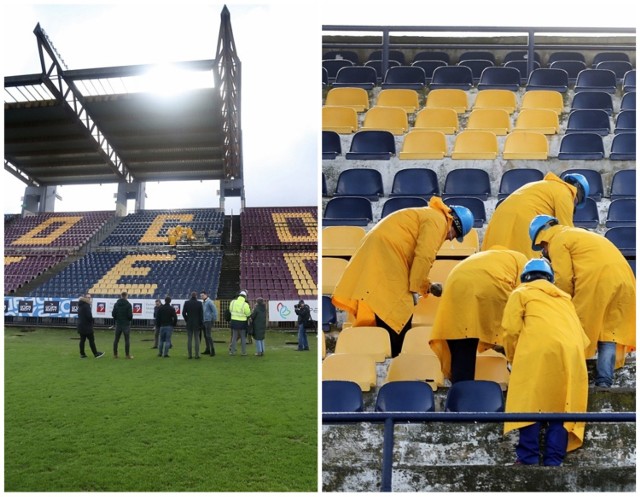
<point x="116" y="124"/>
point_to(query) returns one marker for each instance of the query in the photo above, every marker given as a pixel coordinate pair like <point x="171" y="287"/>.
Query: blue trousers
<point x="605" y="364"/>
<point x="528" y="448"/>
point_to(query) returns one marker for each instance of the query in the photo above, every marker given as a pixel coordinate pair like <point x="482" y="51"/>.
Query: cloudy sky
<point x="280" y="112"/>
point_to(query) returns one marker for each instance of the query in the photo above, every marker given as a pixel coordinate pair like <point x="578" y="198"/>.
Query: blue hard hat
<point x="539" y="223"/>
<point x="581" y="183"/>
<point x="462" y="220"/>
<point x="536" y="269"/>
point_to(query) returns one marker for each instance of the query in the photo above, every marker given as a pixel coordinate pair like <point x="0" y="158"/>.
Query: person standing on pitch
<point x="167" y="321"/>
<point x="390" y="270"/>
<point x="210" y="314"/>
<point x="156" y="335"/>
<point x="85" y="326"/>
<point x="304" y="316"/>
<point x="122" y="313"/>
<point x="259" y="324"/>
<point x="193" y="317"/>
<point x="240" y="312"/>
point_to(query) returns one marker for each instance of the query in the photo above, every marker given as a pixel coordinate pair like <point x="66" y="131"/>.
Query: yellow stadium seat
<point x="451" y="98"/>
<point x="470" y="244"/>
<point x="359" y="368"/>
<point x="543" y="99"/>
<point x="342" y="120"/>
<point x="472" y="144"/>
<point x="492" y="366"/>
<point x="399" y="97"/>
<point x="332" y="269"/>
<point x="437" y="119"/>
<point x="423" y="144"/>
<point x="496" y="99"/>
<point x="357" y="98"/>
<point x="495" y="120"/>
<point x="424" y="313"/>
<point x="540" y="120"/>
<point x="341" y="241"/>
<point x="416" y="341"/>
<point x="416" y="367"/>
<point x="392" y="119"/>
<point x="526" y="145"/>
<point x="370" y="340"/>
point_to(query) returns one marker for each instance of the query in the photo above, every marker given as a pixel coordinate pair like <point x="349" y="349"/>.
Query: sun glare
<point x="169" y="80"/>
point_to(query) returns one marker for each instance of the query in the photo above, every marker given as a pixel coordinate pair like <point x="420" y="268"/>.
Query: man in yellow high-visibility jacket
<point x="240" y="312"/>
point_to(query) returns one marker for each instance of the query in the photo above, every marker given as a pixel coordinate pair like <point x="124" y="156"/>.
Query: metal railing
<point x="389" y="420"/>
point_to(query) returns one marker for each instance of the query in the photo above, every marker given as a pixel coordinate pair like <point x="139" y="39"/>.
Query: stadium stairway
<point x="453" y="457"/>
<point x="230" y="273"/>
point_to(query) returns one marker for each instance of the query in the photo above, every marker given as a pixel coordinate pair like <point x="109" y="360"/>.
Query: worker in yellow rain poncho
<point x="601" y="283"/>
<point x="553" y="196"/>
<point x="545" y="344"/>
<point x="483" y="281"/>
<point x="390" y="270"/>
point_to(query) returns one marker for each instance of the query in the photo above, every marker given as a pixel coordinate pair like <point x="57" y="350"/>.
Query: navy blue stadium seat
<point x="474" y="396"/>
<point x="347" y="211"/>
<point x="397" y="203"/>
<point x="623" y="184"/>
<point x="499" y="78"/>
<point x="619" y="67"/>
<point x="592" y="100"/>
<point x="467" y="182"/>
<point x="521" y="55"/>
<point x="474" y="204"/>
<point x="478" y="55"/>
<point x="629" y="81"/>
<point x="587" y="216"/>
<point x="342" y="54"/>
<point x="433" y="55"/>
<point x="393" y="55"/>
<point x="602" y="56"/>
<point x="522" y="67"/>
<point x="372" y="145"/>
<point x="476" y="66"/>
<point x="621" y="212"/>
<point x="546" y="78"/>
<point x="590" y="120"/>
<point x="573" y="68"/>
<point x="360" y="182"/>
<point x="325" y="192"/>
<point x="452" y="77"/>
<point x="581" y="146"/>
<point x="341" y="396"/>
<point x="596" y="80"/>
<point x="408" y="77"/>
<point x="626" y="122"/>
<point x="596" y="189"/>
<point x="325" y="77"/>
<point x="377" y="65"/>
<point x="428" y="66"/>
<point x="329" y="315"/>
<point x="356" y="77"/>
<point x="566" y="56"/>
<point x="623" y="147"/>
<point x="334" y="65"/>
<point x="331" y="146"/>
<point x="415" y="182"/>
<point x="405" y="396"/>
<point x="623" y="237"/>
<point x="628" y="101"/>
<point x="513" y="179"/>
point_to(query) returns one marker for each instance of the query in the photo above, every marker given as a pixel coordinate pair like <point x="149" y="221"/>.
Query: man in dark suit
<point x="193" y="316"/>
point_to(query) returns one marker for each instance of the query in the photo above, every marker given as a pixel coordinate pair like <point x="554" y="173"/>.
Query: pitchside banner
<point x="283" y="310"/>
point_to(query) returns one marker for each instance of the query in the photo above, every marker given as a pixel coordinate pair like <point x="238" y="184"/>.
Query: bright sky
<point x="277" y="47"/>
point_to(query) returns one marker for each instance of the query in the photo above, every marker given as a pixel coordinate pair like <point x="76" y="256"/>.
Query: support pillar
<point x="130" y="191"/>
<point x="38" y="199"/>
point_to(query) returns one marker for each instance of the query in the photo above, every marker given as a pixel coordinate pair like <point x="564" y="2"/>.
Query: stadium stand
<point x="407" y="99"/>
<point x="571" y="67"/>
<point x="477" y="55"/>
<point x="331" y="145"/>
<point x="415" y="182"/>
<point x="377" y="65"/>
<point x="391" y="119"/>
<point x="372" y="145"/>
<point x="496" y="99"/>
<point x="628" y="101"/>
<point x="367" y="340"/>
<point x="477" y="67"/>
<point x="592" y="100"/>
<point x="405" y="202"/>
<point x="473" y="144"/>
<point x="629" y="82"/>
<point x="359" y="182"/>
<point x="596" y="80"/>
<point x="522" y="67"/>
<point x="623" y="184"/>
<point x="451" y="77"/>
<point x="341" y="241"/>
<point x="581" y="146"/>
<point x="449" y="98"/>
<point x="428" y="66"/>
<point x="623" y="147"/>
<point x="625" y="121"/>
<point x="618" y="67"/>
<point x="397" y="55"/>
<point x="443" y="119"/>
<point x="589" y="120"/>
<point x="416" y="367"/>
<point x="405" y="396"/>
<point x="423" y="144"/>
<point x="555" y="56"/>
<point x="333" y="66"/>
<point x="494" y="120"/>
<point x="526" y="145"/>
<point x="359" y="368"/>
<point x="433" y="55"/>
<point x="339" y="119"/>
<point x="356" y="77"/>
<point x="475" y="396"/>
<point x="546" y="78"/>
<point x="407" y="77"/>
<point x="341" y="396"/>
<point x="622" y="212"/>
<point x="603" y="56"/>
<point x="499" y="78"/>
<point x="356" y="98"/>
<point x="347" y="211"/>
<point x="543" y="99"/>
<point x="513" y="179"/>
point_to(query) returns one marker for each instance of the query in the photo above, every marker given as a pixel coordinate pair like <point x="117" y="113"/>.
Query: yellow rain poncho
<point x="509" y="224"/>
<point x="393" y="260"/>
<point x="545" y="343"/>
<point x="473" y="300"/>
<point x="601" y="283"/>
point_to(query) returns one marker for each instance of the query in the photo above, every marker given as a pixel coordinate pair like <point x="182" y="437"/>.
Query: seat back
<point x="347" y="211"/>
<point x="342" y="54"/>
<point x="492" y="366"/>
<point x="496" y="99"/>
<point x="619" y="67"/>
<point x="359" y="368"/>
<point x="391" y="119"/>
<point x="523" y="67"/>
<point x="623" y="147"/>
<point x="334" y="65"/>
<point x="495" y="120"/>
<point x="356" y="76"/>
<point x="602" y="56"/>
<point x="423" y="144"/>
<point x="543" y="99"/>
<point x="339" y="119"/>
<point x="415" y="182"/>
<point x="437" y="119"/>
<point x="341" y="241"/>
<point x="405" y="396"/>
<point x="596" y="80"/>
<point x="331" y="145"/>
<point x="629" y="82"/>
<point x="474" y="204"/>
<point x="513" y="179"/>
<point x="624" y="238"/>
<point x="572" y="67"/>
<point x="554" y="56"/>
<point x="587" y="217"/>
<point x="546" y="78"/>
<point x="424" y="313"/>
<point x="592" y="100"/>
<point x="592" y="120"/>
<point x="474" y="396"/>
<point x="623" y="184"/>
<point x="399" y="97"/>
<point x="540" y="120"/>
<point x="525" y="145"/>
<point x="452" y="77"/>
<point x="369" y="340"/>
<point x="628" y="101"/>
<point x="596" y="189"/>
<point x="625" y="121"/>
<point x="396" y="203"/>
<point x="372" y="144"/>
<point x="360" y="182"/>
<point x="622" y="212"/>
<point x="467" y="182"/>
<point x="392" y="54"/>
<point x="581" y="146"/>
<point x="377" y="65"/>
<point x="521" y="55"/>
<point x="477" y="54"/>
<point x="433" y="55"/>
<point x="332" y="269"/>
<point x="428" y="66"/>
<point x="341" y="396"/>
<point x="497" y="77"/>
<point x="474" y="144"/>
<point x="329" y="314"/>
<point x="356" y="98"/>
<point x="416" y="341"/>
<point x="476" y="66"/>
<point x="416" y="367"/>
<point x="410" y="77"/>
<point x="451" y="98"/>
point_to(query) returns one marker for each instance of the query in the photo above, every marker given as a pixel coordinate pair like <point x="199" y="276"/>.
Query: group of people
<point x="546" y="314"/>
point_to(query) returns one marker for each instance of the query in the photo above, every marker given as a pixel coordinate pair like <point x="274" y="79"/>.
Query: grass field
<point x="223" y="423"/>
